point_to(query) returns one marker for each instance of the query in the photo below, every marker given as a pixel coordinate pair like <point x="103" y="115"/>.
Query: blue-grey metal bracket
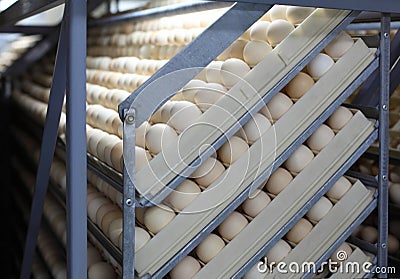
<point x="27" y="29"/>
<point x="76" y="17"/>
<point x="383" y="198"/>
<point x="46" y="154"/>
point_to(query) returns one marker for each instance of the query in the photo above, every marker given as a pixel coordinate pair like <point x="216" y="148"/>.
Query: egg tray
<point x="328" y="234"/>
<point x="290" y="131"/>
<point x="221" y="120"/>
<point x="293" y="202"/>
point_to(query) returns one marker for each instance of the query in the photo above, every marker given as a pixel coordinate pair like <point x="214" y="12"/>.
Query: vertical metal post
<point x="384" y="141"/>
<point x="129" y="196"/>
<point x="46" y="154"/>
<point x="75" y="11"/>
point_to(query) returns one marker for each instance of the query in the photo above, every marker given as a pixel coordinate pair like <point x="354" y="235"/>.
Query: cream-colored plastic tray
<point x="325" y="233"/>
<point x="259" y="158"/>
<point x="359" y="257"/>
<point x="242" y="97"/>
<point x="289" y="201"/>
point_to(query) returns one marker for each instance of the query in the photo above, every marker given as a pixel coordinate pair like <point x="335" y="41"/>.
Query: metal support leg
<point x="384" y="141"/>
<point x="129" y="197"/>
<point x="46" y="155"/>
<point x="76" y="139"/>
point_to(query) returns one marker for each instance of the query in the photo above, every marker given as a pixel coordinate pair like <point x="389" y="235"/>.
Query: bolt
<point x="384" y="107"/>
<point x="130" y="119"/>
<point x="383" y="245"/>
<point x="128" y="202"/>
<point x="386" y="35"/>
<point x="384" y="177"/>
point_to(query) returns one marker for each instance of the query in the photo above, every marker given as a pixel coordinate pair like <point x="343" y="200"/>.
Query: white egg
<point x="394" y="193"/>
<point x="116" y="156"/>
<point x="107" y="140"/>
<point x="208" y="172"/>
<point x="139" y="214"/>
<point x="157" y="217"/>
<point x="258" y="32"/>
<point x="299" y="159"/>
<point x="114" y="230"/>
<point x="342" y="253"/>
<point x="232" y="225"/>
<point x="338" y="189"/>
<point x="319" y="209"/>
<point x="299" y="231"/>
<point x="232" y="150"/>
<point x="160" y="136"/>
<point x="278" y="30"/>
<point x="101" y="270"/>
<point x="277" y="106"/>
<point x="183" y="195"/>
<point x="103" y="210"/>
<point x="237" y="48"/>
<point x="233" y="70"/>
<point x="142" y="158"/>
<point x="296" y="15"/>
<point x="277" y="12"/>
<point x="255" y="128"/>
<point x="255" y="51"/>
<point x="94" y="205"/>
<point x="339" y="118"/>
<point x="209" y="247"/>
<point x="369" y="233"/>
<point x="278" y="252"/>
<point x="209" y="95"/>
<point x="320" y="138"/>
<point x="108" y="219"/>
<point x="93" y="256"/>
<point x="395" y="175"/>
<point x="190" y="89"/>
<point x="141" y="134"/>
<point x="141" y="238"/>
<point x="166" y="111"/>
<point x="254" y="205"/>
<point x="183" y="114"/>
<point x="213" y="72"/>
<point x="339" y="46"/>
<point x="278" y="181"/>
<point x="185" y="269"/>
<point x="320" y="65"/>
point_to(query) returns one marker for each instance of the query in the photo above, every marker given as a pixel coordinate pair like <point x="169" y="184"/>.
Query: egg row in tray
<point x="50" y="248"/>
<point x="156" y="217"/>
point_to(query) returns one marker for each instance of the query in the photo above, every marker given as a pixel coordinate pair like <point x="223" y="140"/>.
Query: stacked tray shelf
<point x="266" y="153"/>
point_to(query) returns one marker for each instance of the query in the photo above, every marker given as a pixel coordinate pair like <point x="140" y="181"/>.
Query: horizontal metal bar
<point x="365" y="17"/>
<point x="363" y="245"/>
<point x="367" y="180"/>
<point x="369" y="112"/>
<point x="25" y="8"/>
<point x="371" y="26"/>
<point x="28" y="29"/>
<point x="169" y="10"/>
<point x="387" y="6"/>
<point x="394" y="155"/>
<point x="344" y="236"/>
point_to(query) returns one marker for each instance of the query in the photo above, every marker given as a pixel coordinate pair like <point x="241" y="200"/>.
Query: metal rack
<point x="136" y="109"/>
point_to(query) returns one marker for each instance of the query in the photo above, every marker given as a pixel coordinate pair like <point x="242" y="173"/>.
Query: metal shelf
<point x="394" y="155"/>
<point x="137" y="100"/>
<point x="340" y="172"/>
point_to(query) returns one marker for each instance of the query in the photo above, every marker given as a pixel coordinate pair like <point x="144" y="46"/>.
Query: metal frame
<point x="76" y="144"/>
